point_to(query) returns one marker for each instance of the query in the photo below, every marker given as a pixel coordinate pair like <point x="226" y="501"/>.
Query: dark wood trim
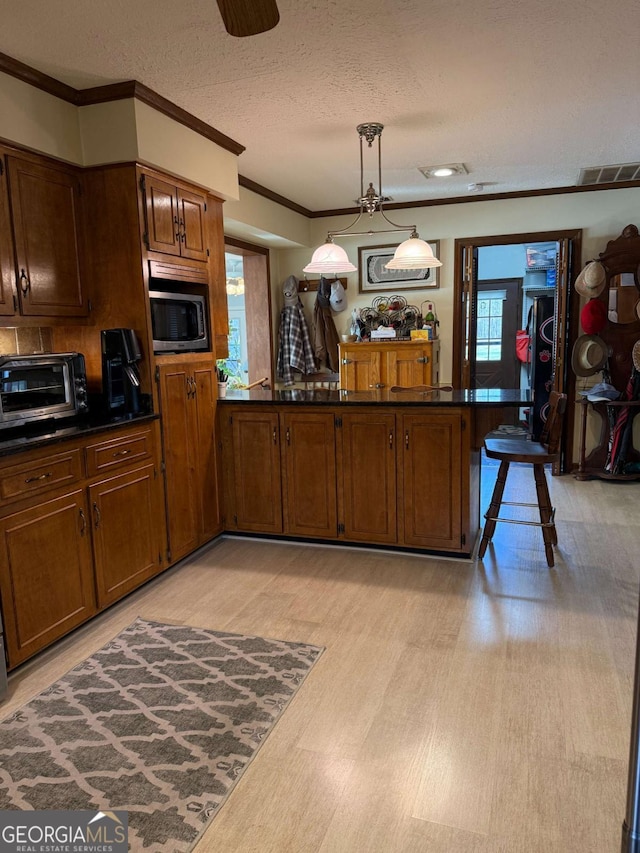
<point x="438" y="202"/>
<point x="244" y="248"/>
<point x="572" y="305"/>
<point x="116" y="92"/>
<point x="248" y="184"/>
<point x="36" y="78"/>
<point x="162" y="105"/>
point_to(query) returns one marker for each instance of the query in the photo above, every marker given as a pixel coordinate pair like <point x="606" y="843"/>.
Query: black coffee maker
<point x="120" y="376"/>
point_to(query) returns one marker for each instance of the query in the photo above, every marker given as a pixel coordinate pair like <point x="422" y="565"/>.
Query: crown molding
<point x="116" y="92"/>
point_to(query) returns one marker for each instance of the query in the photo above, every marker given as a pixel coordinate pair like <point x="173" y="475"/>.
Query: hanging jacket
<point x="294" y="350"/>
<point x="325" y="334"/>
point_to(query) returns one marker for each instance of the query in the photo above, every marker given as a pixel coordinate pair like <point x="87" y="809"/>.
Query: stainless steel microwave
<point x="41" y="387"/>
<point x="178" y="321"/>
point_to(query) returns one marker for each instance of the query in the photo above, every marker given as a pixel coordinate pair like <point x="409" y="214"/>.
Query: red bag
<point x="523" y="346"/>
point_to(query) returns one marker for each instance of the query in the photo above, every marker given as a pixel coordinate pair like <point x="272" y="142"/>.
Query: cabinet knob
<point x="347" y="360"/>
<point x="25" y="284"/>
<point x="423" y="360"/>
<point x="377" y="385"/>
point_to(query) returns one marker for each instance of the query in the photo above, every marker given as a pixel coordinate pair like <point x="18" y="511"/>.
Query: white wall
<point x="601" y="216"/>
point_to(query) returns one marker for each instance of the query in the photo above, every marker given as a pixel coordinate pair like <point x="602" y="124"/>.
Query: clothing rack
<point x="306" y="285"/>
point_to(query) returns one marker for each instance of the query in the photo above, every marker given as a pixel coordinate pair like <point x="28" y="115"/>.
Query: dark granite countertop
<point x="43" y="433"/>
<point x="481" y="397"/>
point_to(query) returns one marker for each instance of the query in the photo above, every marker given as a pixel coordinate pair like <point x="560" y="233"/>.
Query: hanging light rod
<point x="412" y="254"/>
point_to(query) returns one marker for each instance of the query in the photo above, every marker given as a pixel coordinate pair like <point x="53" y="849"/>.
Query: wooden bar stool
<point x="535" y="453"/>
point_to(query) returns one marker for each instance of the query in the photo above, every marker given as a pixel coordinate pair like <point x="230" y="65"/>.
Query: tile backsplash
<point x="25" y="340"/>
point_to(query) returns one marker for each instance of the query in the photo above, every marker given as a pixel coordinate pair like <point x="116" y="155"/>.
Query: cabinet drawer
<point x="40" y="475"/>
<point x="119" y="452"/>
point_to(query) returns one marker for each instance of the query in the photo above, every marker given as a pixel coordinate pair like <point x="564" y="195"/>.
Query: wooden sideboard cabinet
<point x="81" y="525"/>
<point x="41" y="270"/>
<point x="382" y="364"/>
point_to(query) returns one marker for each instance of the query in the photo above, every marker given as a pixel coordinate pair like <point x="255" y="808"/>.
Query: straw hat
<point x="590" y="354"/>
<point x="591" y="280"/>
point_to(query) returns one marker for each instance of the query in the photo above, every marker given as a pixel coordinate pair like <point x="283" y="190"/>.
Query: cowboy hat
<point x="590" y="354"/>
<point x="591" y="279"/>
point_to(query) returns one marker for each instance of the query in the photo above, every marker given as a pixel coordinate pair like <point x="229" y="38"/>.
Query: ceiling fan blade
<point x="248" y="17"/>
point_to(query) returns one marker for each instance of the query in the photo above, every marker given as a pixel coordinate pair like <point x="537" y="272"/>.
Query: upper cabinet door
<point x="175" y="220"/>
<point x="163" y="228"/>
<point x="191" y="218"/>
<point x="45" y="206"/>
<point x="7" y="268"/>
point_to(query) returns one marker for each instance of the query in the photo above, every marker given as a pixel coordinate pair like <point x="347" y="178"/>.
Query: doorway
<point x="552" y="278"/>
<point x="249" y="358"/>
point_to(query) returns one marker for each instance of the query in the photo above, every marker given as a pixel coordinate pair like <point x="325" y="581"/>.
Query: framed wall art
<point x="374" y="276"/>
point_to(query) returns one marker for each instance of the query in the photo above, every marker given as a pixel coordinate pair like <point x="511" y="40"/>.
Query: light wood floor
<point x="458" y="708"/>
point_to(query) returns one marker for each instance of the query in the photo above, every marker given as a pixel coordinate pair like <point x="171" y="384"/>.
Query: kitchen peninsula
<point x="394" y="469"/>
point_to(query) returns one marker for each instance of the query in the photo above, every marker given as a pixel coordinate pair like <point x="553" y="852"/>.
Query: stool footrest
<point x="550" y="523"/>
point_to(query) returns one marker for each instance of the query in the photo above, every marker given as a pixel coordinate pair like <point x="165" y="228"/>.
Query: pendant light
<point x="412" y="254"/>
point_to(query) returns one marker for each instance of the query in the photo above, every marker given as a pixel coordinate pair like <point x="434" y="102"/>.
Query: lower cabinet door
<point x="46" y="574"/>
<point x="310" y="470"/>
<point x="432" y="481"/>
<point x="369" y="477"/>
<point x="256" y="468"/>
<point x="180" y="453"/>
<point x="127" y="538"/>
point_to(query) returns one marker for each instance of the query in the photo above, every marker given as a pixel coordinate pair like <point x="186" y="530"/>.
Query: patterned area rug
<point x="162" y="722"/>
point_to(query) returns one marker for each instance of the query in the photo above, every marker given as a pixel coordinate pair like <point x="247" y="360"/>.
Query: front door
<point x="498" y="312"/>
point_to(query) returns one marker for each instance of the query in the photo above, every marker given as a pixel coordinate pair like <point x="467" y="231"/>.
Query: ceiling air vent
<point x="609" y="174"/>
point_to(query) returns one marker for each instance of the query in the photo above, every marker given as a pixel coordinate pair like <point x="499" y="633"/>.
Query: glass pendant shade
<point x="329" y="258"/>
<point x="413" y="254"/>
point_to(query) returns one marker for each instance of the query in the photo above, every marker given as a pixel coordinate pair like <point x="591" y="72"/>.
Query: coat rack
<point x="306" y="285"/>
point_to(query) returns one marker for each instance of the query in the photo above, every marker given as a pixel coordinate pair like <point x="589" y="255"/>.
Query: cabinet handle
<point x="183" y="232"/>
<point x="288" y="436"/>
<point x="390" y="441"/>
<point x="188" y="380"/>
<point x="25" y="284"/>
<point x="377" y="385"/>
<point x="97" y="518"/>
<point x="41" y="477"/>
<point x="177" y="224"/>
<point x="121" y="453"/>
<point x="194" y="387"/>
<point x="83" y="523"/>
<point x="423" y="360"/>
<point x="406" y="440"/>
<point x="275" y="441"/>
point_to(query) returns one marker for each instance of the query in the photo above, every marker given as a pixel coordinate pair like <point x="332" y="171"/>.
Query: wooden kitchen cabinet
<point x="79" y="528"/>
<point x="46" y="215"/>
<point x="431" y="475"/>
<point x="187" y="399"/>
<point x="7" y="264"/>
<point x="127" y="539"/>
<point x="402" y="477"/>
<point x="382" y="364"/>
<point x="368" y="466"/>
<point x="257" y="486"/>
<point x="46" y="573"/>
<point x="309" y="465"/>
<point x="175" y="219"/>
<point x="283" y="477"/>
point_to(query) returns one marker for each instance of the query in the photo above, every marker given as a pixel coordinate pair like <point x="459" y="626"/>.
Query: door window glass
<point x="489" y="325"/>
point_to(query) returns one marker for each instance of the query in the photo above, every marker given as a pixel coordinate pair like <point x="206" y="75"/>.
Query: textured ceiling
<point x="524" y="94"/>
